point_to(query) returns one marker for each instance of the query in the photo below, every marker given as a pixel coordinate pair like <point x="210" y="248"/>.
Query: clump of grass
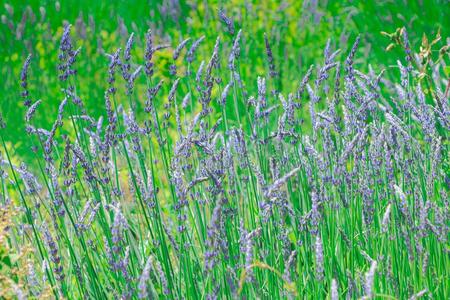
<point x="200" y="188"/>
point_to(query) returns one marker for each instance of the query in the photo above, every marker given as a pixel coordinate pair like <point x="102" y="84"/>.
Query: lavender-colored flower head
<point x="223" y="97"/>
<point x="334" y="290"/>
<point x="193" y="49"/>
<point x="235" y="51"/>
<point x="54" y="253"/>
<point x="369" y="280"/>
<point x="67" y="55"/>
<point x="179" y="48"/>
<point x="119" y="225"/>
<point x="270" y="59"/>
<point x="407" y="48"/>
<point x="31" y="110"/>
<point x="249" y="241"/>
<point x="128" y="46"/>
<point x="24" y="81"/>
<point x="349" y="60"/>
<point x="319" y="268"/>
<point x="228" y="22"/>
<point x="148" y="54"/>
<point x="173" y="90"/>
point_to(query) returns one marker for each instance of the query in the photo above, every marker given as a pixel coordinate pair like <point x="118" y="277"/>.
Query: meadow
<point x="238" y="150"/>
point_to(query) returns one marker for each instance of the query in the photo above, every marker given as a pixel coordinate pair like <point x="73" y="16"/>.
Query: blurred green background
<point x="298" y="32"/>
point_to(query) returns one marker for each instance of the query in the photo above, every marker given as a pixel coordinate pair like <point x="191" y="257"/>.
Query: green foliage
<point x="297" y="164"/>
<point x="298" y="31"/>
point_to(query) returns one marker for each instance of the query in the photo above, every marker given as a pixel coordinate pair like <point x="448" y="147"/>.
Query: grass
<point x="249" y="177"/>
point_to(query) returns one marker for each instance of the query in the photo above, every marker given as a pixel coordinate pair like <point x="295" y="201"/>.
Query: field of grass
<point x="225" y="150"/>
